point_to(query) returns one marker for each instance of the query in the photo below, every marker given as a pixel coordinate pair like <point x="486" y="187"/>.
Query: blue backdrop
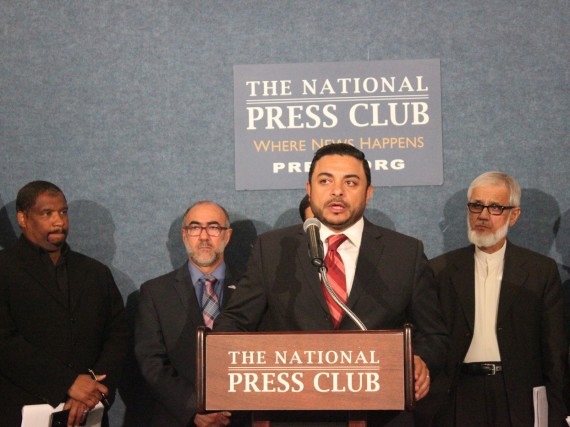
<point x="128" y="106"/>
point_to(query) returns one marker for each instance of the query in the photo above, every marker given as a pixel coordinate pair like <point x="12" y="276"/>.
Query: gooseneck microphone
<point x="316" y="253"/>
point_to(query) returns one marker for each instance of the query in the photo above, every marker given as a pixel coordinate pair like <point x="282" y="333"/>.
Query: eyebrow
<point x="352" y="176"/>
<point x="208" y="223"/>
<point x="328" y="174"/>
<point x="490" y="203"/>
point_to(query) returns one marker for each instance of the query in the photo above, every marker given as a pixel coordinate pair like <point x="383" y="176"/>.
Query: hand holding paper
<point x="87" y="391"/>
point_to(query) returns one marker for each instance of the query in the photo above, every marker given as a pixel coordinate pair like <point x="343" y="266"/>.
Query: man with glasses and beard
<point x="504" y="309"/>
<point x="172" y="306"/>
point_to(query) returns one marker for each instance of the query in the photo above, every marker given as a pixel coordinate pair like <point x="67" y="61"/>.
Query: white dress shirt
<point x="348" y="250"/>
<point x="488" y="275"/>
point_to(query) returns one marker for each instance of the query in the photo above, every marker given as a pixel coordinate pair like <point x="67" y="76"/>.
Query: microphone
<point x="316" y="254"/>
<point x="311" y="226"/>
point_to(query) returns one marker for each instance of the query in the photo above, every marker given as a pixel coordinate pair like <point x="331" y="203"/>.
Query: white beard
<point x="486" y="240"/>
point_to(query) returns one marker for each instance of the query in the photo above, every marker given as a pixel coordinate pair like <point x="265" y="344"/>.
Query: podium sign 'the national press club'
<point x="356" y="370"/>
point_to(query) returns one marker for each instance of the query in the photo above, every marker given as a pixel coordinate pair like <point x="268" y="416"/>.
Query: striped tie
<point x="210" y="306"/>
<point x="336" y="276"/>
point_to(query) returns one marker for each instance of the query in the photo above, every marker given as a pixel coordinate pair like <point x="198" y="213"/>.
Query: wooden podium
<point x="356" y="371"/>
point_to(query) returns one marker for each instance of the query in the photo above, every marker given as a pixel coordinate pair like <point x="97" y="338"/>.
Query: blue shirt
<point x="219" y="273"/>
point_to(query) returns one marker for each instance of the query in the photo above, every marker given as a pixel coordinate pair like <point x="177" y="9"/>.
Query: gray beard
<point x="202" y="261"/>
<point x="488" y="240"/>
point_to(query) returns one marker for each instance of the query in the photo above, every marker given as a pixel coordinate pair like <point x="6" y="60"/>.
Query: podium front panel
<point x="353" y="370"/>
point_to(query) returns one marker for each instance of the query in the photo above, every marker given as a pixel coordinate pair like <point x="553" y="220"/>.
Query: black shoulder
<point x="454" y="257"/>
<point x="164" y="278"/>
<point x="85" y="261"/>
<point x="523" y="254"/>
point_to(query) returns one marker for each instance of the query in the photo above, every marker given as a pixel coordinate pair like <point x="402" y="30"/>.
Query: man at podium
<point x="381" y="275"/>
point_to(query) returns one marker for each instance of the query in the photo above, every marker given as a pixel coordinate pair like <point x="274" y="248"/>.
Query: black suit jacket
<point x="165" y="343"/>
<point x="44" y="344"/>
<point x="281" y="290"/>
<point x="530" y="325"/>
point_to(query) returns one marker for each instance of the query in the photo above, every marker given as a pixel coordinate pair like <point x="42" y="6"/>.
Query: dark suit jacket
<point x="165" y="343"/>
<point x="393" y="284"/>
<point x="44" y="344"/>
<point x="530" y="325"/>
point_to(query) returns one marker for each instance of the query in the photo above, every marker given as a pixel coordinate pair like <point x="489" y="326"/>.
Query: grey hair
<point x="496" y="178"/>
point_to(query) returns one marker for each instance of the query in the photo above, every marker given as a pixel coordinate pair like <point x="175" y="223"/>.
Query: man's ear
<point x="515" y="213"/>
<point x="21" y="217"/>
<point x="228" y="235"/>
<point x="369" y="193"/>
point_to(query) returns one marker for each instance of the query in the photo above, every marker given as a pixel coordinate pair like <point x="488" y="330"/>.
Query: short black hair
<point x="29" y="193"/>
<point x="341" y="150"/>
<point x="305" y="203"/>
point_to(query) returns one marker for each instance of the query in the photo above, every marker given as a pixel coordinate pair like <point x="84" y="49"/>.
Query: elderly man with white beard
<point x="504" y="310"/>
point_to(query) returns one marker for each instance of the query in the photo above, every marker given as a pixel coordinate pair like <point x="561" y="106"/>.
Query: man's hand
<point x="215" y="419"/>
<point x="421" y="377"/>
<point x="87" y="391"/>
<point x="77" y="412"/>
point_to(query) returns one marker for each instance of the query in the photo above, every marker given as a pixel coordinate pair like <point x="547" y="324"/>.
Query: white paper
<point x="39" y="415"/>
<point x="540" y="406"/>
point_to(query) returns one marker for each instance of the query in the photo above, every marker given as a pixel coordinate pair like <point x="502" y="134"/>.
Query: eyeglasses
<point x="213" y="230"/>
<point x="492" y="209"/>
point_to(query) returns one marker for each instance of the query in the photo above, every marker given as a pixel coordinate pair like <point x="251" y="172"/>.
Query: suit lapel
<point x="463" y="281"/>
<point x="310" y="273"/>
<point x="35" y="268"/>
<point x="76" y="278"/>
<point x="514" y="276"/>
<point x="374" y="247"/>
<point x="185" y="290"/>
<point x="230" y="285"/>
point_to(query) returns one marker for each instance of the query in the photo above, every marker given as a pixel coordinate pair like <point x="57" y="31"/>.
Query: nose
<point x="58" y="218"/>
<point x="484" y="214"/>
<point x="337" y="189"/>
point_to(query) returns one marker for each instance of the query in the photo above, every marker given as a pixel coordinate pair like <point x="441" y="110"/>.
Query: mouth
<point x="57" y="233"/>
<point x="56" y="238"/>
<point x="480" y="227"/>
<point x="337" y="206"/>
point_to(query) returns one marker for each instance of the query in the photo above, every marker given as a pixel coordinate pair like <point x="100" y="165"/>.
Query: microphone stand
<point x="348" y="311"/>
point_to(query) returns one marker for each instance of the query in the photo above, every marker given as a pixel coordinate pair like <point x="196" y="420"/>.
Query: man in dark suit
<point x="60" y="315"/>
<point x="172" y="306"/>
<point x="504" y="309"/>
<point x="388" y="282"/>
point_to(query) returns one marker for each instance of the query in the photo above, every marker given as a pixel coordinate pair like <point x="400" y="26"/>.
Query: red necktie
<point x="336" y="276"/>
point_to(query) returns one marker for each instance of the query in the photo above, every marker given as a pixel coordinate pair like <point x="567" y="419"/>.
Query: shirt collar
<point x="354" y="232"/>
<point x="41" y="251"/>
<point x="491" y="259"/>
<point x="195" y="274"/>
